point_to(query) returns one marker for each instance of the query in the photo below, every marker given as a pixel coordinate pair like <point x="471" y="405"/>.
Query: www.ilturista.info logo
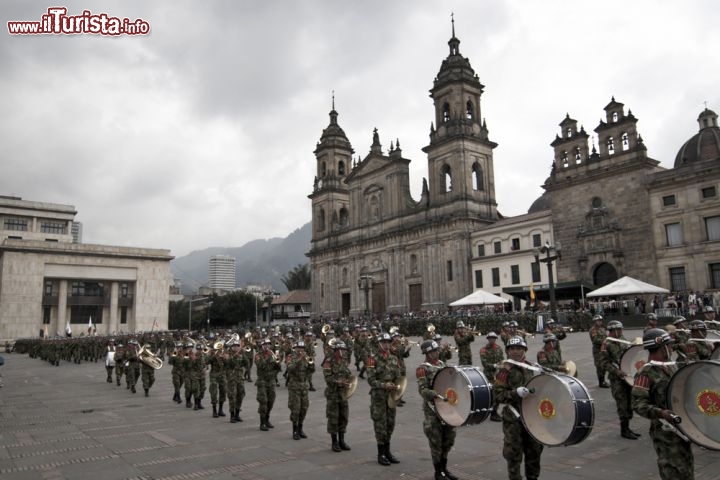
<point x="58" y="22"/>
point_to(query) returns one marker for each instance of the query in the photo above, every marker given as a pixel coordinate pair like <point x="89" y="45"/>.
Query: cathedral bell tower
<point x="460" y="155"/>
<point x="330" y="197"/>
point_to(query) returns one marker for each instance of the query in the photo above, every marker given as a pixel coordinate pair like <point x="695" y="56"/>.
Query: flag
<point x="532" y="293"/>
<point x="155" y="324"/>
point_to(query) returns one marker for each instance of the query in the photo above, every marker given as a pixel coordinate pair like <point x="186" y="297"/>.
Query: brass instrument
<point x="325" y="329"/>
<point x="523" y="333"/>
<point x="431" y="328"/>
<point x="149" y="358"/>
<point x="393" y="330"/>
<point x="218" y="346"/>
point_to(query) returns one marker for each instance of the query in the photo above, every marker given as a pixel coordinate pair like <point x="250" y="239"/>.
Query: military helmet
<point x="516" y="341"/>
<point x="513" y="323"/>
<point x="429" y="346"/>
<point x="265" y="341"/>
<point x="339" y="345"/>
<point x="549" y="337"/>
<point x="709" y="309"/>
<point x="437" y="337"/>
<point x="299" y="344"/>
<point x="550" y="321"/>
<point x="597" y="317"/>
<point x="385" y="337"/>
<point x="698" y="325"/>
<point x="460" y="324"/>
<point x="651" y="316"/>
<point x="678" y="320"/>
<point x="491" y="335"/>
<point x="614" y="325"/>
<point x="655" y="338"/>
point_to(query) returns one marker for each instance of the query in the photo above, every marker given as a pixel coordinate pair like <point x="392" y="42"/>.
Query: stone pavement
<point x="67" y="423"/>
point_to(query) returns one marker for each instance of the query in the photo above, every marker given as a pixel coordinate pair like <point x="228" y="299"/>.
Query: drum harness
<point x="665" y="425"/>
<point x="432" y="404"/>
<point x="533" y="367"/>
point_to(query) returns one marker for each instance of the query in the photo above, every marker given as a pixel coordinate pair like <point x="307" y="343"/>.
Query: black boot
<point x="132" y="389"/>
<point x="200" y="405"/>
<point x="176" y="397"/>
<point x="382" y="459"/>
<point x="341" y="442"/>
<point x="109" y="379"/>
<point x="296" y="435"/>
<point x="197" y="402"/>
<point x="602" y="383"/>
<point x="187" y="402"/>
<point x="270" y="425"/>
<point x="300" y="430"/>
<point x="233" y="418"/>
<point x="448" y="475"/>
<point x="237" y="415"/>
<point x="637" y="435"/>
<point x="214" y="407"/>
<point x="147" y="392"/>
<point x="439" y="474"/>
<point x="362" y="372"/>
<point x="312" y="387"/>
<point x="263" y="425"/>
<point x="389" y="455"/>
<point x="220" y="410"/>
<point x="335" y="444"/>
<point x="625" y="430"/>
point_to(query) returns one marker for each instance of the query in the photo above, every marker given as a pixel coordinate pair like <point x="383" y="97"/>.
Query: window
<point x="469" y="110"/>
<point x="321" y="220"/>
<point x="625" y="141"/>
<point x="712" y="227"/>
<point x="498" y="247"/>
<point x="515" y="274"/>
<point x="611" y="145"/>
<point x="48" y="288"/>
<point x="564" y="159"/>
<point x="668" y="200"/>
<point x="344" y="277"/>
<point x="569" y="132"/>
<point x="124" y="290"/>
<point x="445" y="179"/>
<point x="87" y="289"/>
<point x="446" y="112"/>
<point x="449" y="271"/>
<point x="578" y="156"/>
<point x="322" y="290"/>
<point x="674" y="234"/>
<point x="343" y="217"/>
<point x="615" y="117"/>
<point x="708" y="192"/>
<point x="46" y="315"/>
<point x="481" y="250"/>
<point x="123" y="314"/>
<point x="17" y="224"/>
<point x="714" y="275"/>
<point x="535" y="271"/>
<point x="477" y="177"/>
<point x="323" y="169"/>
<point x="413" y="264"/>
<point x="537" y="240"/>
<point x="478" y="279"/>
<point x="677" y="279"/>
<point x="515" y="244"/>
<point x="496" y="277"/>
<point x="341" y="168"/>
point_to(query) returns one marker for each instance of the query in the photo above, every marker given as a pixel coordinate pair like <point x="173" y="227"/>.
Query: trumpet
<point x="524" y="334"/>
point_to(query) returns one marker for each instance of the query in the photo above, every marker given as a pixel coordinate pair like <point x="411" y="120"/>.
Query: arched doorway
<point x="604" y="273"/>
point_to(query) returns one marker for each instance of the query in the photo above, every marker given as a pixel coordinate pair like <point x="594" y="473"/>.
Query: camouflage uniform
<point x="440" y="435"/>
<point x="197" y="379"/>
<point x="550" y="358"/>
<point x="265" y="382"/>
<point x="597" y="336"/>
<point x="119" y="364"/>
<point x="176" y="374"/>
<point x="218" y="382"/>
<point x="235" y="377"/>
<point x="463" y="341"/>
<point x="132" y="368"/>
<point x="148" y="377"/>
<point x="335" y="369"/>
<point x="674" y="455"/>
<point x="361" y="349"/>
<point x="491" y="356"/>
<point x="299" y="371"/>
<point x="610" y="353"/>
<point x="517" y="441"/>
<point x="383" y="368"/>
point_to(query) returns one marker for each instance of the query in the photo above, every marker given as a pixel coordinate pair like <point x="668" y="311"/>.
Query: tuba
<point x="431" y="328"/>
<point x="149" y="358"/>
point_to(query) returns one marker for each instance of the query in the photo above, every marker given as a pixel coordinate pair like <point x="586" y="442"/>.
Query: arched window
<point x="611" y="145"/>
<point x="578" y="156"/>
<point x="615" y="116"/>
<point x="569" y="132"/>
<point x="343" y="217"/>
<point x="564" y="159"/>
<point x="469" y="110"/>
<point x="374" y="208"/>
<point x="341" y="168"/>
<point x="445" y="179"/>
<point x="413" y="263"/>
<point x="477" y="177"/>
<point x="323" y="169"/>
<point x="321" y="219"/>
<point x="446" y="112"/>
<point x="625" y="141"/>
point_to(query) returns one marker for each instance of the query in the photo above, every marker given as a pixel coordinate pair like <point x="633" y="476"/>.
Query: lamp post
<point x="549" y="258"/>
<point x="190" y="302"/>
<point x="365" y="283"/>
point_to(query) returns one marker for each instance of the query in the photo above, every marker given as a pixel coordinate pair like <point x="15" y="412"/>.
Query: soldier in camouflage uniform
<point x="698" y="332"/>
<point x="362" y="351"/>
<point x="508" y="392"/>
<point x="597" y="336"/>
<point x="147" y="374"/>
<point x="445" y="348"/>
<point x="300" y="368"/>
<point x="491" y="356"/>
<point x="349" y="341"/>
<point x="267" y="365"/>
<point x="649" y="399"/>
<point x="337" y="376"/>
<point x="611" y="352"/>
<point x="681" y="336"/>
<point x="175" y="360"/>
<point x="235" y="377"/>
<point x="310" y="352"/>
<point x="440" y="435"/>
<point x="463" y="339"/>
<point x="218" y="382"/>
<point x="549" y="356"/>
<point x="119" y="362"/>
<point x="383" y="371"/>
<point x="132" y="365"/>
<point x="197" y="377"/>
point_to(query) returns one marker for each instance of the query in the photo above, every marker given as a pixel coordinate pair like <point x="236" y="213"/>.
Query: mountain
<point x="258" y="262"/>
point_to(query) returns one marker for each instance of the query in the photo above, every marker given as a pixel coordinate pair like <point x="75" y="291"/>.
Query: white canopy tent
<point x="626" y="286"/>
<point x="479" y="297"/>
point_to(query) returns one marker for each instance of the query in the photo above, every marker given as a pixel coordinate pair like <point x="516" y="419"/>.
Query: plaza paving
<point x="67" y="423"/>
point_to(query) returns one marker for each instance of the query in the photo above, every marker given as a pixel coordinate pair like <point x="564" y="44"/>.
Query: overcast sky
<point x="201" y="133"/>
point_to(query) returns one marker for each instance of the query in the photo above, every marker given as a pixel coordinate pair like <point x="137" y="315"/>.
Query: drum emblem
<point x="452" y="396"/>
<point x="639" y="364"/>
<point x="708" y="401"/>
<point x="546" y="408"/>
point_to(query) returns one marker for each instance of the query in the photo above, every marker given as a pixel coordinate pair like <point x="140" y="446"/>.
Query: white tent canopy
<point x="479" y="297"/>
<point x="626" y="286"/>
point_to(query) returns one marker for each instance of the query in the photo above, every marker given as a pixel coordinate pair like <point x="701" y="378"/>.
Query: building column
<point x="62" y="309"/>
<point x="112" y="324"/>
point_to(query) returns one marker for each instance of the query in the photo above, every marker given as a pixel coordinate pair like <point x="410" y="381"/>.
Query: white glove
<point x="522" y="392"/>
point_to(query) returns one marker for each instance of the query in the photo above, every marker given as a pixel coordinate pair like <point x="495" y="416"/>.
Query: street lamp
<point x="190" y="310"/>
<point x="547" y="250"/>
<point x="365" y="283"/>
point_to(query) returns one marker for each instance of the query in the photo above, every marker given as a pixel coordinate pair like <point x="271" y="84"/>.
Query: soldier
<point x="401" y="349"/>
<point x="175" y="360"/>
<point x="148" y="377"/>
<point x="611" y="352"/>
<point x="362" y="351"/>
<point x="505" y="332"/>
<point x="597" y="336"/>
<point x="110" y="359"/>
<point x="132" y="365"/>
<point x="187" y="360"/>
<point x="383" y="375"/>
<point x="197" y="376"/>
<point x="267" y="364"/>
<point x="338" y="378"/>
<point x="649" y="399"/>
<point x="300" y="368"/>
<point x="440" y="435"/>
<point x="549" y="356"/>
<point x="491" y="356"/>
<point x="119" y="362"/>
<point x="235" y="366"/>
<point x="218" y="381"/>
<point x="698" y="340"/>
<point x="348" y="340"/>
<point x="509" y="390"/>
<point x="445" y="348"/>
<point x="681" y="335"/>
<point x="463" y="339"/>
<point x="553" y="327"/>
<point x="309" y="342"/>
<point x="651" y="322"/>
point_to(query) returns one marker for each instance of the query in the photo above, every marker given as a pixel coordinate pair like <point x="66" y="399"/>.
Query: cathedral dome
<point x="541" y="203"/>
<point x="704" y="145"/>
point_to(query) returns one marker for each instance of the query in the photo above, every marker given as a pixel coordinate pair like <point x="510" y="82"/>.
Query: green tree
<point x="233" y="309"/>
<point x="298" y="278"/>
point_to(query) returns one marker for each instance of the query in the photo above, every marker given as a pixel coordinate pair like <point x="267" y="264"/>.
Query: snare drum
<point x="560" y="412"/>
<point x="468" y="393"/>
<point x="633" y="360"/>
<point x="694" y="394"/>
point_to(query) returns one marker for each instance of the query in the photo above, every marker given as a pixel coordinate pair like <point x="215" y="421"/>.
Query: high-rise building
<point x="222" y="272"/>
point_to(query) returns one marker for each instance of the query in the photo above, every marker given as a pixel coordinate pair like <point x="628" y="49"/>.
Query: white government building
<point x="48" y="283"/>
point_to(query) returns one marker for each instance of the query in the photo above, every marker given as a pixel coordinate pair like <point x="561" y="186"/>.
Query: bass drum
<point x="468" y="393"/>
<point x="715" y="355"/>
<point x="633" y="360"/>
<point x="694" y="394"/>
<point x="559" y="412"/>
